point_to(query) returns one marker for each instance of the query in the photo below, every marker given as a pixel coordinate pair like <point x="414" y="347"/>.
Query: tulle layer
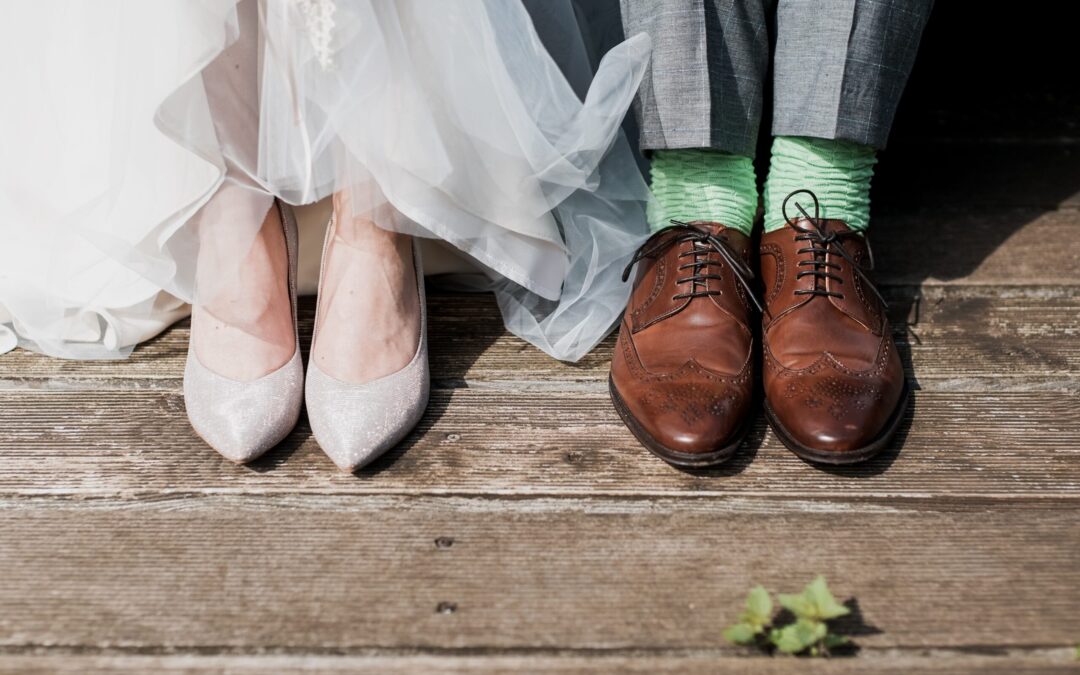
<point x="98" y="200"/>
<point x="448" y="120"/>
<point x="452" y="120"/>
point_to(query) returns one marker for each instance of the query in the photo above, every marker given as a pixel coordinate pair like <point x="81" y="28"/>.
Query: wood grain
<point x="955" y="338"/>
<point x="1006" y="246"/>
<point x="352" y="572"/>
<point x="497" y="442"/>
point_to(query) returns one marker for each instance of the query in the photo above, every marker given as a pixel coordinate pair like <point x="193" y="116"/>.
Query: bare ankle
<point x="242" y="325"/>
<point x="369" y="314"/>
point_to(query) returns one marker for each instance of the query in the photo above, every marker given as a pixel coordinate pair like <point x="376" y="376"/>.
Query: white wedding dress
<point x="129" y="120"/>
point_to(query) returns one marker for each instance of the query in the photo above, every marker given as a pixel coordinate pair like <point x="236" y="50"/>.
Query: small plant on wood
<point x="809" y="633"/>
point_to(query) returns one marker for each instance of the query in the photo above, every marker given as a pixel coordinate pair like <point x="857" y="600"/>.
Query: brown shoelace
<point x="702" y="268"/>
<point x="822" y="243"/>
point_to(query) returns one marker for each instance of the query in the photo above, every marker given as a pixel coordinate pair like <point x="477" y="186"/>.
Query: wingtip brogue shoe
<point x="835" y="390"/>
<point x="684" y="369"/>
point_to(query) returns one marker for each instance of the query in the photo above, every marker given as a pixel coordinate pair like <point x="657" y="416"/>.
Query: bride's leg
<point x="368" y="379"/>
<point x="242" y="323"/>
<point x="369" y="313"/>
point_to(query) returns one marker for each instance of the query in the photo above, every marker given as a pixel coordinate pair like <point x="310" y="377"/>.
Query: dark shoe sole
<point x="849" y="456"/>
<point x="686" y="460"/>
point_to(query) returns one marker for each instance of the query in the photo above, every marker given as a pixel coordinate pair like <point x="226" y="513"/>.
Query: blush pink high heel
<point x="356" y="423"/>
<point x="242" y="420"/>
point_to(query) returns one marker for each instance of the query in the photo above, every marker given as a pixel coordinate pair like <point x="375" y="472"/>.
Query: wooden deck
<point x="521" y="527"/>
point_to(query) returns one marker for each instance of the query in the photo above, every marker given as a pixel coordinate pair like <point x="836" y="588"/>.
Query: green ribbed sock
<point x="838" y="172"/>
<point x="702" y="184"/>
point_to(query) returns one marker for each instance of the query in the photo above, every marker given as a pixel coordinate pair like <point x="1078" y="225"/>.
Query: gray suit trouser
<point x="839" y="68"/>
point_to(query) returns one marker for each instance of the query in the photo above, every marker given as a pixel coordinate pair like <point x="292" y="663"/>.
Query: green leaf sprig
<point x="808" y="634"/>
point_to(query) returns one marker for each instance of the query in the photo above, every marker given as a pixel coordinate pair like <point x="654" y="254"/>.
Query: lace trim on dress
<point x="319" y="17"/>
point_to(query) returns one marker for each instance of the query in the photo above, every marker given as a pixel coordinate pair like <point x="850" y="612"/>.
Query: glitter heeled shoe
<point x="356" y="423"/>
<point x="242" y="420"/>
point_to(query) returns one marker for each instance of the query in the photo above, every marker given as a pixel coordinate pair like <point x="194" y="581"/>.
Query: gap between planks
<point x="88" y="661"/>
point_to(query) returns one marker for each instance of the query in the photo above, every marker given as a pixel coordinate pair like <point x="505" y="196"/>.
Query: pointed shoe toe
<point x="356" y="423"/>
<point x="242" y="420"/>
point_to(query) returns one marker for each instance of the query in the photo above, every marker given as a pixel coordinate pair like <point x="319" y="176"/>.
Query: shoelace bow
<point x="823" y="243"/>
<point x="704" y="243"/>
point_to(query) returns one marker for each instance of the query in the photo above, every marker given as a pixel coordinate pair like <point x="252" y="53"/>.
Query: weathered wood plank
<point x="481" y="441"/>
<point x="400" y="572"/>
<point x="955" y="338"/>
<point x="960" y="338"/>
<point x="975" y="246"/>
<point x="898" y="662"/>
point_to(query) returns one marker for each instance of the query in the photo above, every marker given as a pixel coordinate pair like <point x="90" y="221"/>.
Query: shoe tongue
<point x="712" y="227"/>
<point x="735" y="238"/>
<point x="827" y="225"/>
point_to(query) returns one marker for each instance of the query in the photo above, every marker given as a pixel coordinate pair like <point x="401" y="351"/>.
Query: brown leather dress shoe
<point x="835" y="390"/>
<point x="682" y="377"/>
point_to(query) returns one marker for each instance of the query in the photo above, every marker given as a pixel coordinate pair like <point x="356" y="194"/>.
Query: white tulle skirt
<point x="141" y="128"/>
